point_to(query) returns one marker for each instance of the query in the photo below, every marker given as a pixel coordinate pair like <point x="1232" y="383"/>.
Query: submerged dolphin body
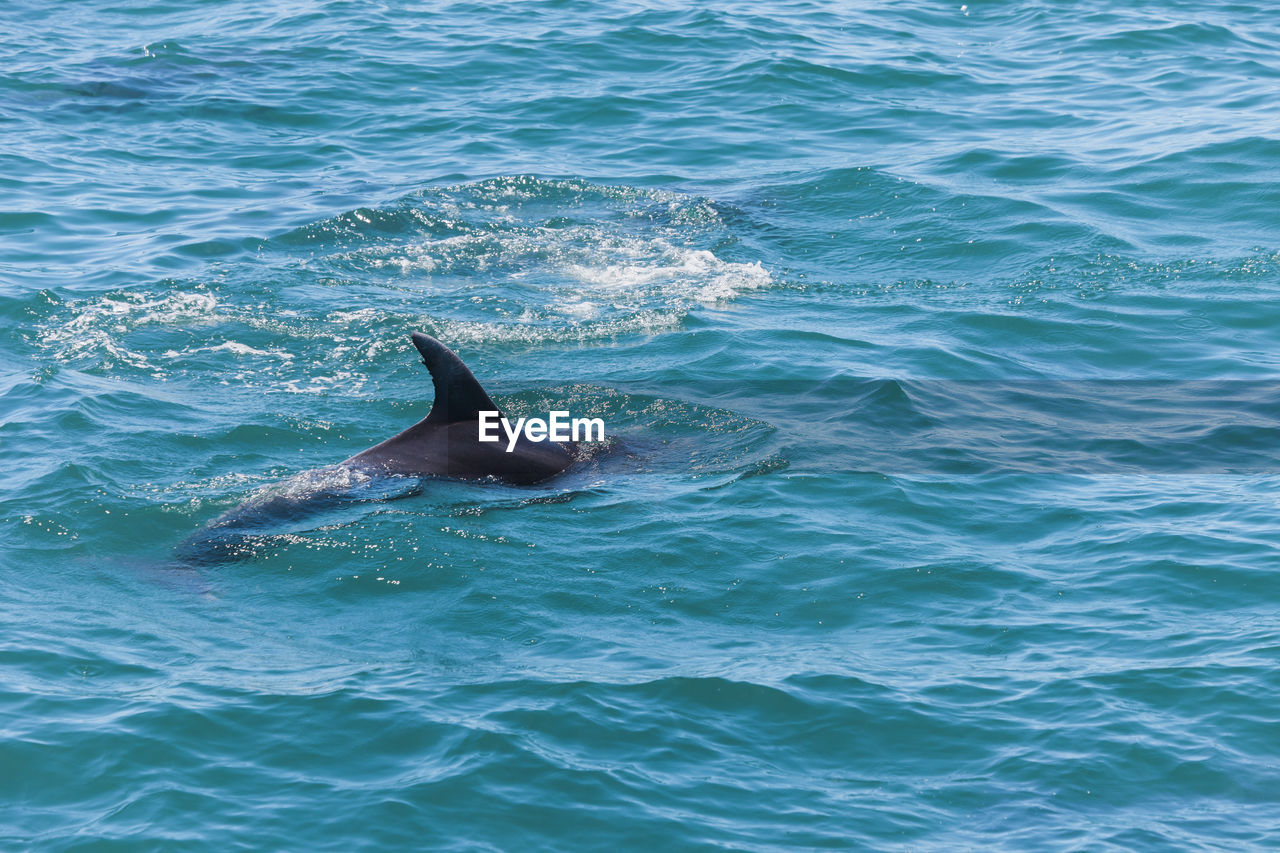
<point x="446" y="443"/>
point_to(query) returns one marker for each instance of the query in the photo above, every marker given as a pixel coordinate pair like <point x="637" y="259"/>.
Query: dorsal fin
<point x="459" y="396"/>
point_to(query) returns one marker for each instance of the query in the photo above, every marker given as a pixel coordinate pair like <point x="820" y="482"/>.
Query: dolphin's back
<point x="446" y="443"/>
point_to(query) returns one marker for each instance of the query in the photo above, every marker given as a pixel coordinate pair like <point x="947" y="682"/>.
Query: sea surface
<point x="940" y="348"/>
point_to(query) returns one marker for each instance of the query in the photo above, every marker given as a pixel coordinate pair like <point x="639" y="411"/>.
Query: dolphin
<point x="446" y="443"/>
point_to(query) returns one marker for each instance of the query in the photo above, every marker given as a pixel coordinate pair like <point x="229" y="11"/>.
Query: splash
<point x="511" y="260"/>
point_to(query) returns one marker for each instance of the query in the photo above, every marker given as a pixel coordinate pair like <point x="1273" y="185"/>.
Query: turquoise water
<point x="939" y="340"/>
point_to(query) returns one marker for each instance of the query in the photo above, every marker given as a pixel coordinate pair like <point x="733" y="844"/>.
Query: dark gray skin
<point x="446" y="442"/>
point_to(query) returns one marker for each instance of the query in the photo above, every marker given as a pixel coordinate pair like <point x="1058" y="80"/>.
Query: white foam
<point x="587" y="274"/>
<point x="695" y="274"/>
<point x="234" y="347"/>
<point x="237" y="348"/>
<point x="99" y="325"/>
<point x="518" y="260"/>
